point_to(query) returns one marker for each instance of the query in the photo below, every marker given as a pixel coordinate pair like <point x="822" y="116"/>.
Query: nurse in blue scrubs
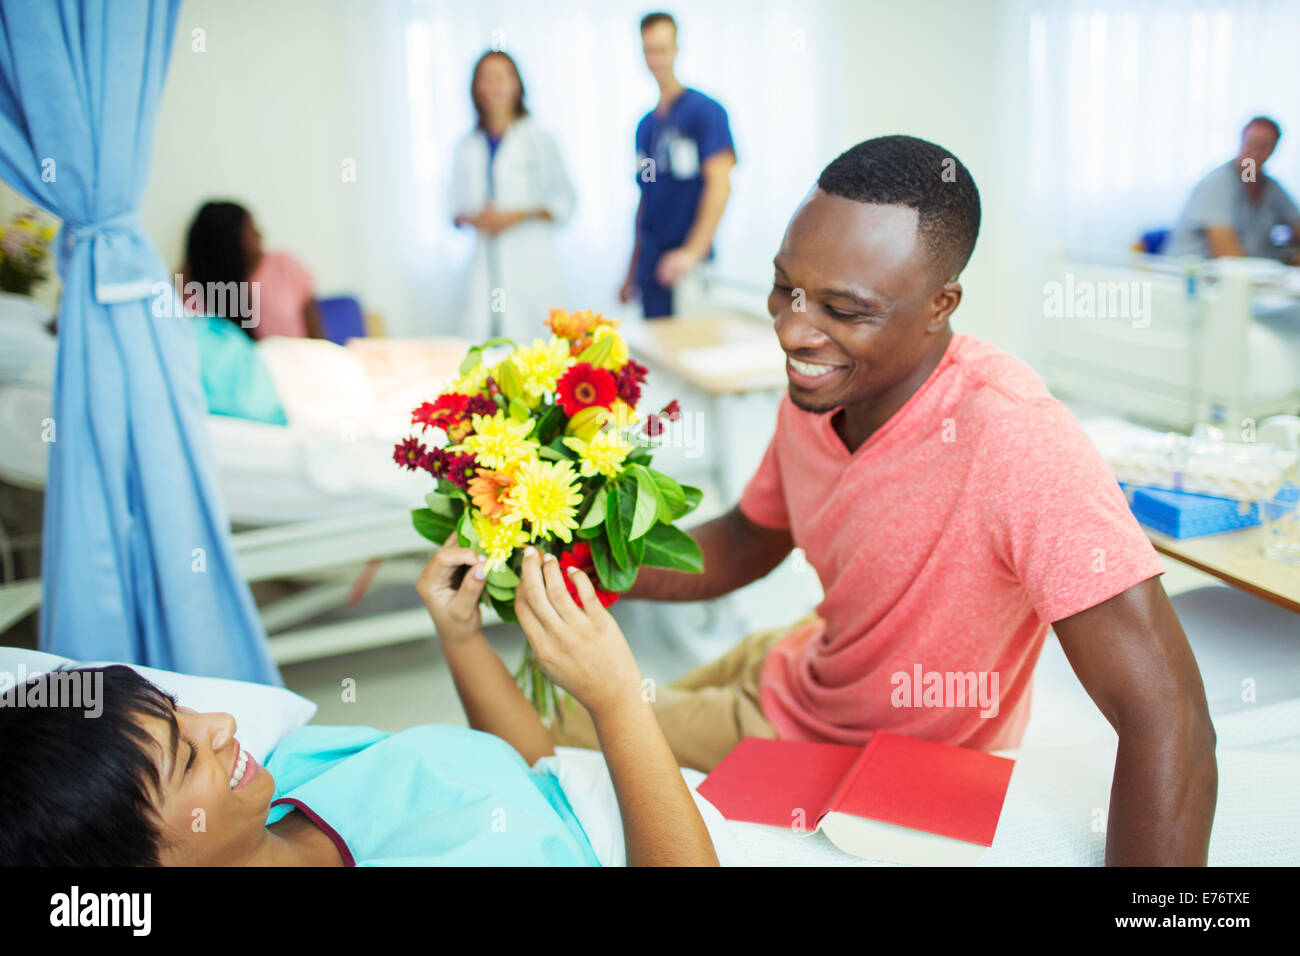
<point x="149" y="782"/>
<point x="684" y="160"/>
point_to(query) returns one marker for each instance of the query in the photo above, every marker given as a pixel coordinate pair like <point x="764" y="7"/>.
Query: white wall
<point x="264" y="115"/>
<point x="945" y="70"/>
<point x="284" y="91"/>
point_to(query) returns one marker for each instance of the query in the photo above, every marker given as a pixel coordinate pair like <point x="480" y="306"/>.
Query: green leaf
<point x="501" y="594"/>
<point x="619" y="506"/>
<point x="502" y="577"/>
<point x="672" y="499"/>
<point x="445" y="505"/>
<point x="596" y="513"/>
<point x="519" y="411"/>
<point x="473" y="358"/>
<point x="558" y="445"/>
<point x="431" y="525"/>
<point x="639" y="457"/>
<point x="693" y="496"/>
<point x="647" y="508"/>
<point x="465" y="532"/>
<point x="506" y="609"/>
<point x="448" y="490"/>
<point x="612" y="577"/>
<point x="672" y="548"/>
<point x="550" y="425"/>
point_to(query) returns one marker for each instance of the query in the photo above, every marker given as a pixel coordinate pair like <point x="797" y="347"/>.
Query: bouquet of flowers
<point x="24" y="253"/>
<point x="545" y="447"/>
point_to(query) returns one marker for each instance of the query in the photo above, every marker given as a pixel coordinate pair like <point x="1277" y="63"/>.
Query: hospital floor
<point x="409" y="684"/>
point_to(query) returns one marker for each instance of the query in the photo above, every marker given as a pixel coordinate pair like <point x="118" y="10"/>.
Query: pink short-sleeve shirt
<point x="284" y="287"/>
<point x="978" y="514"/>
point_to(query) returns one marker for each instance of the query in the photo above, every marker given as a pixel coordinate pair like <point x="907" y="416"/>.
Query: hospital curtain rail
<point x="137" y="564"/>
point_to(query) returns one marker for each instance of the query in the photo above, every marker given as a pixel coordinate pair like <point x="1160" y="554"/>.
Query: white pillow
<point x="265" y="715"/>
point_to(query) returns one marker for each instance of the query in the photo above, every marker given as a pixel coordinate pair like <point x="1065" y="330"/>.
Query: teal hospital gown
<point x="428" y="796"/>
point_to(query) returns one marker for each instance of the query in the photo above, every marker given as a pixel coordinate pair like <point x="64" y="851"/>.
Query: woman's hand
<point x="582" y="649"/>
<point x="454" y="608"/>
<point x="493" y="221"/>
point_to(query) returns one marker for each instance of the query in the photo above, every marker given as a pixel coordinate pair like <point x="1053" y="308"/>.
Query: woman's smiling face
<point x="214" y="796"/>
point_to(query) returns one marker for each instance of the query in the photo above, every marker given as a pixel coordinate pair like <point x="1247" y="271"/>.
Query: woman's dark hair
<point x="214" y="249"/>
<point x="520" y="109"/>
<point x="79" y="782"/>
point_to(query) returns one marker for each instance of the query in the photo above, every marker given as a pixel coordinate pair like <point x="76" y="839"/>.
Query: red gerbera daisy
<point x="448" y="410"/>
<point x="585" y="386"/>
<point x="579" y="556"/>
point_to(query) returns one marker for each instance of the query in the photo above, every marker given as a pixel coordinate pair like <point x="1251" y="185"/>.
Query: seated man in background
<point x="953" y="510"/>
<point x="1235" y="208"/>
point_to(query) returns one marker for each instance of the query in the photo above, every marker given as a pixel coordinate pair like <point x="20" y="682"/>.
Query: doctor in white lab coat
<point x="509" y="184"/>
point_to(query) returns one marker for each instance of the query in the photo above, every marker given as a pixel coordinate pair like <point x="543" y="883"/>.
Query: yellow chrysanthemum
<point x="497" y="540"/>
<point x="472" y="382"/>
<point x="546" y="495"/>
<point x="618" y="355"/>
<point x="540" y="366"/>
<point x="499" y="442"/>
<point x="602" y="455"/>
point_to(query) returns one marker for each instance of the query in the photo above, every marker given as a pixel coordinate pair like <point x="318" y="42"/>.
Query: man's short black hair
<point x="650" y="19"/>
<point x="1267" y="121"/>
<point x="906" y="171"/>
<point x="76" y="789"/>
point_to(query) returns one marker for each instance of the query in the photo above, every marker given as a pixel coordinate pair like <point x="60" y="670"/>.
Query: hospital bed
<point x="1059" y="795"/>
<point x="1219" y="344"/>
<point x="318" y="502"/>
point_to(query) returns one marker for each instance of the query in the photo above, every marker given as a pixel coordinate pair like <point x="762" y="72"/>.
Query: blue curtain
<point x="137" y="563"/>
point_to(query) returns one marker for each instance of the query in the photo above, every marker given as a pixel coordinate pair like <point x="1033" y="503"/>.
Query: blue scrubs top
<point x="428" y="796"/>
<point x="694" y="129"/>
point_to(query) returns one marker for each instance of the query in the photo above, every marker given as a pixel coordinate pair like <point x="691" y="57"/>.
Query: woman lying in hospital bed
<point x="147" y="782"/>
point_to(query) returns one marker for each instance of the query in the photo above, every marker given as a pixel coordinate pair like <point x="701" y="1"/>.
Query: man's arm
<point x="675" y="263"/>
<point x="1223" y="241"/>
<point x="628" y="290"/>
<point x="736" y="552"/>
<point x="1133" y="659"/>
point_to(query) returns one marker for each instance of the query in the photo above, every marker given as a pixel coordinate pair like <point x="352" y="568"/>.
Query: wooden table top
<point x="722" y="354"/>
<point x="1237" y="558"/>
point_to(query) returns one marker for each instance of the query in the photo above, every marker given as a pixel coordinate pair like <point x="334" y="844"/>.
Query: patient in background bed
<point x="224" y="246"/>
<point x="147" y="782"/>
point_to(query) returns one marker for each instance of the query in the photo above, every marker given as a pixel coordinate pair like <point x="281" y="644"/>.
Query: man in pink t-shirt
<point x="953" y="510"/>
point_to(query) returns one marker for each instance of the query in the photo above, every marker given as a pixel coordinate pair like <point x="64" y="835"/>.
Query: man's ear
<point x="944" y="303"/>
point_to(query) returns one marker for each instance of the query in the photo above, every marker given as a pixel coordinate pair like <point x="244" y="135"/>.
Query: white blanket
<point x="1054" y="815"/>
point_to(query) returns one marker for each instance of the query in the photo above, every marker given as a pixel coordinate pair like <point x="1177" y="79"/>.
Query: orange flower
<point x="488" y="492"/>
<point x="577" y="326"/>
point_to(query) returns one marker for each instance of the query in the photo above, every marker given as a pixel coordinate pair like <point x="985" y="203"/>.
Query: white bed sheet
<point x="333" y="459"/>
<point x="1056" y="804"/>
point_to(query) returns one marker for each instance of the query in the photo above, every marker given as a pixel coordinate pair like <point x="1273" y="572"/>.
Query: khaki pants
<point x="704" y="714"/>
